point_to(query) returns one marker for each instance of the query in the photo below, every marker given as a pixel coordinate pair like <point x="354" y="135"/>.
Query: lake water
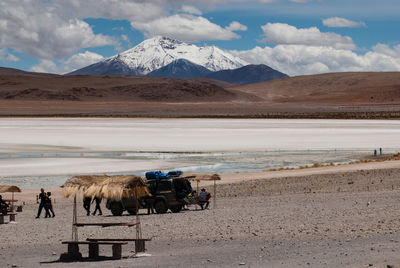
<point x="37" y="152"/>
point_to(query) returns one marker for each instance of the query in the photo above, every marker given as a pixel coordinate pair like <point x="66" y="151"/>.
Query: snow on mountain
<point x="157" y="52"/>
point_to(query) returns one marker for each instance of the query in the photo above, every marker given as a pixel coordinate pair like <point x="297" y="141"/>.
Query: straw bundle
<point x="108" y="187"/>
<point x="202" y="177"/>
<point x="9" y="189"/>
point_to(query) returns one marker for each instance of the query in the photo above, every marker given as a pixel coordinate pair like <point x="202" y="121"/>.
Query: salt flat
<point x="33" y="147"/>
<point x="188" y="135"/>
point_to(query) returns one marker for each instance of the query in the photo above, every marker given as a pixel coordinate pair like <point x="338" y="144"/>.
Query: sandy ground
<point x="330" y="218"/>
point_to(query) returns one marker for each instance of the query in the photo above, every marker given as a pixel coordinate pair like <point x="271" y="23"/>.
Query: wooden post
<point x="74" y="221"/>
<point x="197" y="193"/>
<point x="215" y="193"/>
<point x="94" y="250"/>
<point x="138" y="227"/>
<point x="12" y="202"/>
<point x="117" y="251"/>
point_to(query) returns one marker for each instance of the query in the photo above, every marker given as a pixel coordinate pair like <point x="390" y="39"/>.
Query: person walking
<point x="98" y="201"/>
<point x="149" y="200"/>
<point x="42" y="197"/>
<point x="86" y="204"/>
<point x="48" y="206"/>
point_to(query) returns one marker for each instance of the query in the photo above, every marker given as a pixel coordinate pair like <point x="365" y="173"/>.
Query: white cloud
<point x="236" y="26"/>
<point x="191" y="10"/>
<point x="299" y="1"/>
<point x="186" y="28"/>
<point x="80" y="60"/>
<point x="11" y="57"/>
<point x="5" y="55"/>
<point x="42" y="31"/>
<point x="281" y="33"/>
<point x="301" y="59"/>
<point x="74" y="62"/>
<point x="342" y="23"/>
<point x="45" y="66"/>
<point x="386" y="50"/>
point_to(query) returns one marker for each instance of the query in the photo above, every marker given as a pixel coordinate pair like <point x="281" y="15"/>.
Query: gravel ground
<point x="287" y="226"/>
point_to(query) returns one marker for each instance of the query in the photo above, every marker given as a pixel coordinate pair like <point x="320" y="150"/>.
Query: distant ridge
<point x="248" y="74"/>
<point x="16" y="72"/>
<point x="181" y="69"/>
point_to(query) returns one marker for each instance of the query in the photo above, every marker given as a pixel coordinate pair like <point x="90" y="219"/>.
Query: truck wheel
<point x="176" y="209"/>
<point x="116" y="208"/>
<point x="132" y="211"/>
<point x="160" y="207"/>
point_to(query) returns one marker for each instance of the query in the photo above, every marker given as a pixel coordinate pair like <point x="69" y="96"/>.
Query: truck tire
<point x="160" y="207"/>
<point x="132" y="211"/>
<point x="176" y="209"/>
<point x="116" y="208"/>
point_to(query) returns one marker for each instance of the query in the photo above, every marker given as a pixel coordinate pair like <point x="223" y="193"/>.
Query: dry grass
<point x="393" y="157"/>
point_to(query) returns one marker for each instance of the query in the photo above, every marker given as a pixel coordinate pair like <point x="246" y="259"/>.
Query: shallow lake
<point x="38" y="152"/>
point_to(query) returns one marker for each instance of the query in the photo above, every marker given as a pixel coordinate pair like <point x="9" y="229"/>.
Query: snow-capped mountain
<point x="157" y="52"/>
<point x="180" y="69"/>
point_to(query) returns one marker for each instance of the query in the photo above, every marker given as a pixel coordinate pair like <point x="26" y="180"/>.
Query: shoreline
<point x="228" y="180"/>
<point x="395" y="115"/>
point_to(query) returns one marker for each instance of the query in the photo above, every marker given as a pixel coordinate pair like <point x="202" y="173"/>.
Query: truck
<point x="169" y="190"/>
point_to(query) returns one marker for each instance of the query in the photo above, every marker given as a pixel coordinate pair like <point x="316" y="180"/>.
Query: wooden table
<point x="11" y="203"/>
<point x="106" y="224"/>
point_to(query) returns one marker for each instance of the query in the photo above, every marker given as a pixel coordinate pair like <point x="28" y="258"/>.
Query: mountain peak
<point x="159" y="51"/>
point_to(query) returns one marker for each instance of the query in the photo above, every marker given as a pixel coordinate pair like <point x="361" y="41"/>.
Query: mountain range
<point x="166" y="57"/>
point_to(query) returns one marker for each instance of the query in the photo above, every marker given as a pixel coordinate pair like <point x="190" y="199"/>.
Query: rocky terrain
<point x="284" y="226"/>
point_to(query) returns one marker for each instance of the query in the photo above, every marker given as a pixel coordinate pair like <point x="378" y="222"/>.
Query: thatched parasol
<point x="204" y="177"/>
<point x="108" y="187"/>
<point x="9" y="189"/>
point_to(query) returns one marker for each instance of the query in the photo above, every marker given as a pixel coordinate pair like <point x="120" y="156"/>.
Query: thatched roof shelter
<point x="9" y="189"/>
<point x="202" y="177"/>
<point x="108" y="187"/>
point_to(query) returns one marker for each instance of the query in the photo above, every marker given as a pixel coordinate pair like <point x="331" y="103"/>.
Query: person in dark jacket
<point x="42" y="197"/>
<point x="3" y="206"/>
<point x="86" y="204"/>
<point x="98" y="201"/>
<point x="204" y="196"/>
<point x="149" y="200"/>
<point x="48" y="206"/>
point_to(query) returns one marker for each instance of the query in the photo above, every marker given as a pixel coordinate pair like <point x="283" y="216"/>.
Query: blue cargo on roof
<point x="158" y="175"/>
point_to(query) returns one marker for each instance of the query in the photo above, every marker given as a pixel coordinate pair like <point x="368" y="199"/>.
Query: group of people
<point x="87" y="201"/>
<point x="44" y="200"/>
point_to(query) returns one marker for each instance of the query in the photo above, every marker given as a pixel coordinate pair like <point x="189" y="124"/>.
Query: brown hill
<point x="334" y="95"/>
<point x="15" y="72"/>
<point x="331" y="88"/>
<point x="112" y="88"/>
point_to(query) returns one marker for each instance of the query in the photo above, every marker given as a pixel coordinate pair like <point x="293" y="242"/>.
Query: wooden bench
<point x="73" y="248"/>
<point x="139" y="242"/>
<point x="12" y="217"/>
<point x="106" y="224"/>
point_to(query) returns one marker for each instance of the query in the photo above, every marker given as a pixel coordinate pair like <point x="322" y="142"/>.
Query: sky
<point x="297" y="37"/>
